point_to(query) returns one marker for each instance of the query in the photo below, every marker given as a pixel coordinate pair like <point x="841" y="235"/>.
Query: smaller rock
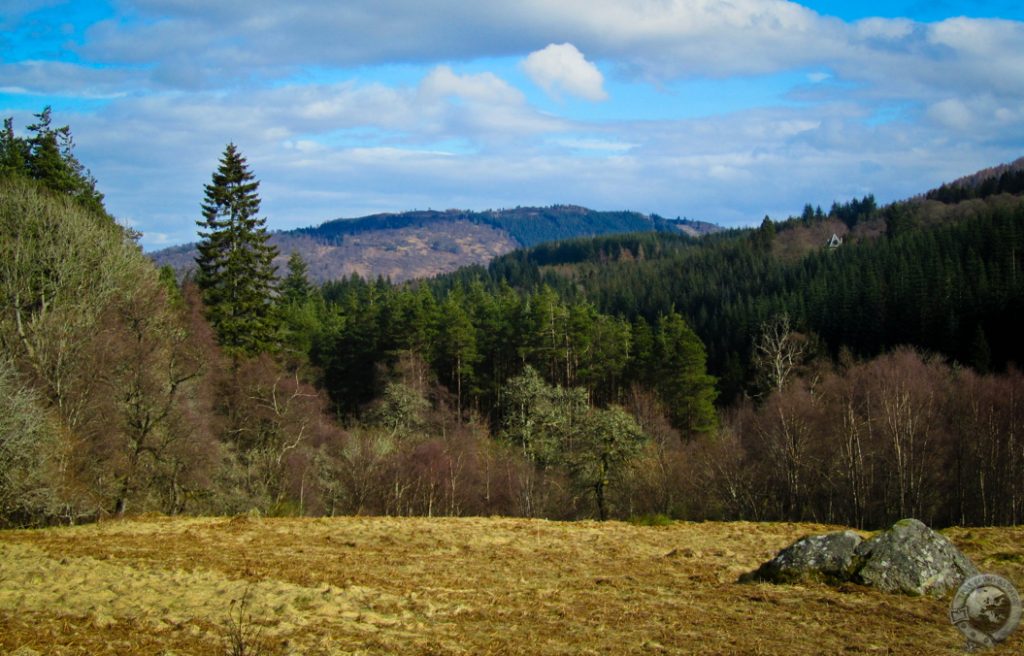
<point x="830" y="557"/>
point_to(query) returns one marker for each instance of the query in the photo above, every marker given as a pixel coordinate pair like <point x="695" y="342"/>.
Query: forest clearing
<point x="376" y="585"/>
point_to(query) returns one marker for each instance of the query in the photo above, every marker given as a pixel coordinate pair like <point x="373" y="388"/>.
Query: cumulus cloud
<point x="192" y="45"/>
<point x="881" y="30"/>
<point x="486" y="108"/>
<point x="320" y="149"/>
<point x="561" y="67"/>
<point x="983" y="116"/>
<point x="654" y="37"/>
<point x="395" y="158"/>
<point x="479" y="87"/>
<point x="201" y="74"/>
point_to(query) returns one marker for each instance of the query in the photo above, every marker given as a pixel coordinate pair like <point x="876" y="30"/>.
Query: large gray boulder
<point x="908" y="558"/>
<point x="830" y="557"/>
<point x="911" y="558"/>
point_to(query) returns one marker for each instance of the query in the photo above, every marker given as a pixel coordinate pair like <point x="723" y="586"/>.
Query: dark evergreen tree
<point x="13" y="150"/>
<point x="980" y="353"/>
<point x="48" y="156"/>
<point x="457" y="347"/>
<point x="45" y="162"/>
<point x="295" y="287"/>
<point x="682" y="380"/>
<point x="300" y="310"/>
<point x="766" y="233"/>
<point x="236" y="271"/>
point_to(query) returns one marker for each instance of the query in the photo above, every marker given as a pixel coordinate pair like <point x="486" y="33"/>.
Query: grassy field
<point x="162" y="586"/>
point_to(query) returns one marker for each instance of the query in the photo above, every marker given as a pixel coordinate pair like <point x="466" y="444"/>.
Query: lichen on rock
<point x="830" y="557"/>
<point x="907" y="558"/>
<point x="912" y="559"/>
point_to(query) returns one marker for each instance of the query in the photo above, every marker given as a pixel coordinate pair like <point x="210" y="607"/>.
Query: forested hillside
<point x="768" y="373"/>
<point x="1005" y="178"/>
<point x="528" y="226"/>
<point x="421" y="244"/>
<point x="942" y="277"/>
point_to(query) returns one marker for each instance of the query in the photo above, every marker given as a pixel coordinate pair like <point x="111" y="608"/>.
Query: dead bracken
<point x="374" y="585"/>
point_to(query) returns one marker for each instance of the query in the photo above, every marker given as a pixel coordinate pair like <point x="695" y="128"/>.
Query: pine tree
<point x="48" y="156"/>
<point x="295" y="287"/>
<point x="682" y="380"/>
<point x="457" y="347"/>
<point x="236" y="272"/>
<point x="13" y="150"/>
<point x="45" y="161"/>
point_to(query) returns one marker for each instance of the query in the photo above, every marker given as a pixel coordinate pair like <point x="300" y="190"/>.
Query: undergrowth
<point x="655" y="519"/>
<point x="243" y="635"/>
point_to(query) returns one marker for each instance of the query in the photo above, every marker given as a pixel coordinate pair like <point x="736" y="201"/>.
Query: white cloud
<point x="654" y="37"/>
<point x="561" y="67"/>
<point x="780" y="158"/>
<point x="982" y="117"/>
<point x="200" y="74"/>
<point x="321" y="149"/>
<point x="192" y="45"/>
<point x="66" y="79"/>
<point x="481" y="87"/>
<point x="884" y="29"/>
<point x="952" y="113"/>
<point x="595" y="145"/>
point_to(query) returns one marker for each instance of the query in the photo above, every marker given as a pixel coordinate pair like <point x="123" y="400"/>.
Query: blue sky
<point x="714" y="110"/>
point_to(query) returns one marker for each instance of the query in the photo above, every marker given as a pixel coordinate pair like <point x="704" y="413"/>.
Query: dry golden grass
<point x="453" y="586"/>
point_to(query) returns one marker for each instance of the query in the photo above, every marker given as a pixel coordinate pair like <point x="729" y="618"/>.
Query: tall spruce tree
<point x="295" y="287"/>
<point x="681" y="376"/>
<point x="236" y="272"/>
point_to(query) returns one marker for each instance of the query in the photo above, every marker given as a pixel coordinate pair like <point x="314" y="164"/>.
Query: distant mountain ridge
<point x="423" y="243"/>
<point x="528" y="226"/>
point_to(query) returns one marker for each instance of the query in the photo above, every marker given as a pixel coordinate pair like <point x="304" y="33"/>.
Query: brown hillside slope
<point x="452" y="586"/>
<point x="399" y="254"/>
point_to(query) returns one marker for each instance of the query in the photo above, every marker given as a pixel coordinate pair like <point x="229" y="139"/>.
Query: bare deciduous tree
<point x="778" y="353"/>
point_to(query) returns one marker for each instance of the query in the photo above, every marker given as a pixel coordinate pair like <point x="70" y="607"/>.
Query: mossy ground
<point x="454" y="586"/>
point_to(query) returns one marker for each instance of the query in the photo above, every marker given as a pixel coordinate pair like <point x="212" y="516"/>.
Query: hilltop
<point x="420" y="244"/>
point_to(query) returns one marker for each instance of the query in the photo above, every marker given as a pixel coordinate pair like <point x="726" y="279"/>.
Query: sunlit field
<point x="450" y="586"/>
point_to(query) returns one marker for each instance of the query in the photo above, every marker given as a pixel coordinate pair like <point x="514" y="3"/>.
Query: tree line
<point x="942" y="278"/>
<point x="235" y="391"/>
<point x="569" y="381"/>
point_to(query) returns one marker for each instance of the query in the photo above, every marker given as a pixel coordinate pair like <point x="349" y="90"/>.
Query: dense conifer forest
<point x="943" y="277"/>
<point x="853" y="366"/>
